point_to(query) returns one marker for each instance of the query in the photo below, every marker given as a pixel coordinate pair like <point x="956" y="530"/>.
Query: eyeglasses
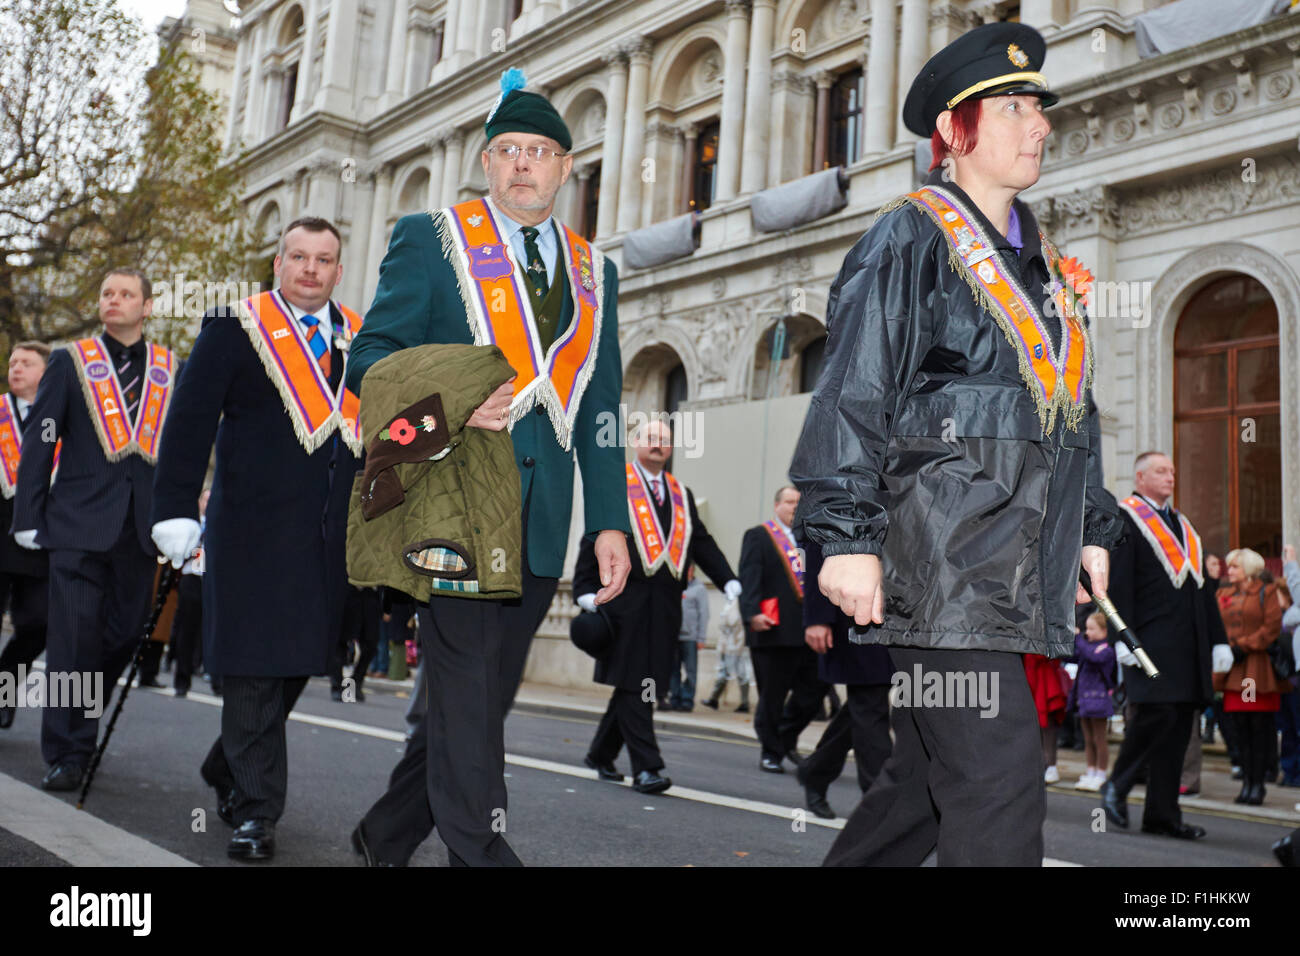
<point x="510" y="152"/>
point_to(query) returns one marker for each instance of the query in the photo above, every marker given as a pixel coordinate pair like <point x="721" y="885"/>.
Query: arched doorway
<point x="1227" y="416"/>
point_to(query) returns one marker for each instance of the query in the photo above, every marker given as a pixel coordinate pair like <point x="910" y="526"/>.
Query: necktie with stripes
<point x="316" y="339"/>
<point x="659" y="494"/>
<point x="131" y="389"/>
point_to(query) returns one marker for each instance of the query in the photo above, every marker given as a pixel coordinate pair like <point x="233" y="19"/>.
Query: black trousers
<point x="782" y="672"/>
<point x="968" y="784"/>
<point x="361" y="617"/>
<point x="187" y="630"/>
<point x="1257" y="739"/>
<point x="862" y="725"/>
<point x="453" y="771"/>
<point x="1157" y="737"/>
<point x="628" y="720"/>
<point x="28" y="601"/>
<point x="151" y="661"/>
<point x="251" y="754"/>
<point x="99" y="602"/>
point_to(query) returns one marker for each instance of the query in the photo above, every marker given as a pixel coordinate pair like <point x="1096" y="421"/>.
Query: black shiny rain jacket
<point x="923" y="445"/>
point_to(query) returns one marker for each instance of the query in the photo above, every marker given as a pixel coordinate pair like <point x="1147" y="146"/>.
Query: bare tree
<point x="105" y="161"/>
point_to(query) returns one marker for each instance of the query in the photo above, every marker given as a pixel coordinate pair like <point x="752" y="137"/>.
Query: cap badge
<point x="1017" y="56"/>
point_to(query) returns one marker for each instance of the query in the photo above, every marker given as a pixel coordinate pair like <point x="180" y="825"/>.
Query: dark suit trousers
<point x="361" y="617"/>
<point x="28" y="601"/>
<point x="453" y="771"/>
<point x="99" y="603"/>
<point x="862" y="725"/>
<point x="1157" y="737"/>
<point x="782" y="672"/>
<point x="251" y="754"/>
<point x="187" y="629"/>
<point x="628" y="719"/>
<point x="971" y="785"/>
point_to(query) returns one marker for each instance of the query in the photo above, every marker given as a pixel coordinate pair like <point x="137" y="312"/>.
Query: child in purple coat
<point x="1091" y="697"/>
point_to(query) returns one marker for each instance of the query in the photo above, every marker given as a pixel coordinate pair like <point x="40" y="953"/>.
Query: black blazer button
<point x="529" y="462"/>
<point x="541" y="410"/>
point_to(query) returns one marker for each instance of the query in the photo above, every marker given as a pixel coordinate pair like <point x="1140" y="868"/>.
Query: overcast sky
<point x="153" y="11"/>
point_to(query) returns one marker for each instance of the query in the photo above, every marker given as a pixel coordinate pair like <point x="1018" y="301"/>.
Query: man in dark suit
<point x="553" y="312"/>
<point x="105" y="399"/>
<point x="266" y="382"/>
<point x="24" y="574"/>
<point x="862" y="724"/>
<point x="771" y="567"/>
<point x="667" y="536"/>
<point x="1159" y="586"/>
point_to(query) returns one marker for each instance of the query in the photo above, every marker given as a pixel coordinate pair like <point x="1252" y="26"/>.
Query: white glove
<point x="732" y="590"/>
<point x="1221" y="658"/>
<point x="176" y="539"/>
<point x="27" y="539"/>
<point x="1124" y="655"/>
<point x="587" y="602"/>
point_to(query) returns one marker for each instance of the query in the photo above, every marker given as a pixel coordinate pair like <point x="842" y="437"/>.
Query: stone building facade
<point x="1175" y="178"/>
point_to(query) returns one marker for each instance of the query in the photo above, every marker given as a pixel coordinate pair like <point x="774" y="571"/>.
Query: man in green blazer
<point x="500" y="270"/>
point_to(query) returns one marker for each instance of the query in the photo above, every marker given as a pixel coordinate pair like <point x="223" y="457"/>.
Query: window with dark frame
<point x="706" y="163"/>
<point x="844" y="138"/>
<point x="591" y="207"/>
<point x="288" y="93"/>
<point x="439" y="31"/>
<point x="516" y="10"/>
<point x="810" y="364"/>
<point x="1227" y="417"/>
<point x="674" y="395"/>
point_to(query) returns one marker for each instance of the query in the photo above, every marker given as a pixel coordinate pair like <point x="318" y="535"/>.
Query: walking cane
<point x="169" y="578"/>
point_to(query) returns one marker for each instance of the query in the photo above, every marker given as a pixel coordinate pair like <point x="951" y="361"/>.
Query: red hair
<point x="965" y="130"/>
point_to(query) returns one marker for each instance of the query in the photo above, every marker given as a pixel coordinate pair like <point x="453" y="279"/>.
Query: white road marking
<point x="75" y="835"/>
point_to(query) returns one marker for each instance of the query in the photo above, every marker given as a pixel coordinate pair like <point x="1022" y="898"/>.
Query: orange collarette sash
<point x="791" y="556"/>
<point x="1178" y="560"/>
<point x="107" y="406"/>
<point x="500" y="313"/>
<point x="313" y="407"/>
<point x="1058" y="384"/>
<point x="11" y="446"/>
<point x="645" y="524"/>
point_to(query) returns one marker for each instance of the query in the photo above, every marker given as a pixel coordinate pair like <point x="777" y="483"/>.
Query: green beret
<point x="518" y="111"/>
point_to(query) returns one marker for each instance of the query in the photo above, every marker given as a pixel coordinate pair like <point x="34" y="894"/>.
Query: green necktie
<point x="536" y="268"/>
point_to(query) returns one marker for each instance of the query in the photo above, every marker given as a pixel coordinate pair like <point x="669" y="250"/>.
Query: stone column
<point x="823" y="81"/>
<point x="657" y="196"/>
<point x="690" y="137"/>
<point x="881" y="70"/>
<point x="612" y="152"/>
<point x="579" y="206"/>
<point x="395" y="82"/>
<point x="1049" y="15"/>
<point x="301" y="98"/>
<point x="914" y="50"/>
<point x="451" y="169"/>
<point x="758" y="98"/>
<point x="437" y="168"/>
<point x="467" y="30"/>
<point x="733" y="103"/>
<point x="244" y="43"/>
<point x="338" y="78"/>
<point x="378" y="242"/>
<point x="252" y="132"/>
<point x="638" y="78"/>
<point x="450" y="29"/>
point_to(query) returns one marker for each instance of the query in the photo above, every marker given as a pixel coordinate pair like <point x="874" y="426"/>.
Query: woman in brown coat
<point x="1252" y="618"/>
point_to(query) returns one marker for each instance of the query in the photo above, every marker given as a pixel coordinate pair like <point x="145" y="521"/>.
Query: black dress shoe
<point x="253" y="840"/>
<point x="1116" y="808"/>
<point x="7" y="716"/>
<point x="1245" y="792"/>
<point x="359" y="845"/>
<point x="816" y="802"/>
<point x="336" y="693"/>
<point x="770" y="764"/>
<point x="225" y="800"/>
<point x="648" y="781"/>
<point x="794" y="757"/>
<point x="63" y="776"/>
<point x="180" y="692"/>
<point x="148" y="682"/>
<point x="1284" y="850"/>
<point x="605" y="771"/>
<point x="1255" y="797"/>
<point x="1179" y="831"/>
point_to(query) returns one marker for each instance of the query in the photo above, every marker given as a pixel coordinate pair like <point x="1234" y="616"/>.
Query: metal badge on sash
<point x="107" y="406"/>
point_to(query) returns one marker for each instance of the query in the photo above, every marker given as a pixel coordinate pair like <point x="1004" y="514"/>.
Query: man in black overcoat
<point x="265" y="380"/>
<point x="105" y="399"/>
<point x="862" y="724"/>
<point x="24" y="574"/>
<point x="1160" y="588"/>
<point x="667" y="536"/>
<point x="784" y="665"/>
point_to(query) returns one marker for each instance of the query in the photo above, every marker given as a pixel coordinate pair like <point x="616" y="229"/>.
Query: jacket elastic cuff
<point x="862" y="546"/>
